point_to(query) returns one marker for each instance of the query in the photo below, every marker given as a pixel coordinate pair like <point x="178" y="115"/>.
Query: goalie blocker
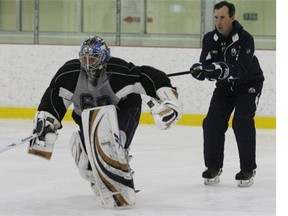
<point x="108" y="159"/>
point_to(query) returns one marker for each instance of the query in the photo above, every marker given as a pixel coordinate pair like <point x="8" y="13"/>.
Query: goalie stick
<point x="20" y="142"/>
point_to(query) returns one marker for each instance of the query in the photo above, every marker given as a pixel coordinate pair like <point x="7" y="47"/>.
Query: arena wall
<point x="26" y="71"/>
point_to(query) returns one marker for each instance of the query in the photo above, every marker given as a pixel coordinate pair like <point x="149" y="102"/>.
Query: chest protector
<point x="88" y="96"/>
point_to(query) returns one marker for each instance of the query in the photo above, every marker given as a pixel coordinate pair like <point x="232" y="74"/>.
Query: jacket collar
<point x="234" y="35"/>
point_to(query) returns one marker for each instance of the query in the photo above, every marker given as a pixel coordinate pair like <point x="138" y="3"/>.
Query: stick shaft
<point x="19" y="142"/>
<point x="179" y="73"/>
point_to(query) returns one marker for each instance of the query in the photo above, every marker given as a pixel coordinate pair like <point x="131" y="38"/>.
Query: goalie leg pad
<point x="81" y="158"/>
<point x="107" y="156"/>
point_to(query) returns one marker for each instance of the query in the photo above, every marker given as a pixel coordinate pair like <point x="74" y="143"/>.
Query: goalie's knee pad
<point x="123" y="137"/>
<point x="81" y="158"/>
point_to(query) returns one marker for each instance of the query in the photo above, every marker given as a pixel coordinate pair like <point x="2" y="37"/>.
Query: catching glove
<point x="217" y="71"/>
<point x="169" y="111"/>
<point x="197" y="71"/>
<point x="45" y="125"/>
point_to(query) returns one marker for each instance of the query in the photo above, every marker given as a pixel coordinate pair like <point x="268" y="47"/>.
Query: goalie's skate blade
<point x="212" y="181"/>
<point x="245" y="183"/>
<point x="115" y="201"/>
<point x="108" y="205"/>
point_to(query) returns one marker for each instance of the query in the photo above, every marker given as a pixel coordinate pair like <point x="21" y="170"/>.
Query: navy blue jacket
<point x="237" y="50"/>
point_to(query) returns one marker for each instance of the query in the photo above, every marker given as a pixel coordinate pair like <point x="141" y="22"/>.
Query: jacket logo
<point x="233" y="52"/>
<point x="214" y="51"/>
<point x="248" y="51"/>
<point x="251" y="90"/>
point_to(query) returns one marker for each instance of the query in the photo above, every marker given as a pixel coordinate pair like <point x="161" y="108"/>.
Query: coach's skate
<point x="211" y="176"/>
<point x="245" y="178"/>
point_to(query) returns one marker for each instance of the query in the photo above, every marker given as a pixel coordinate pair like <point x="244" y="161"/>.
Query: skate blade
<point x="245" y="183"/>
<point x="110" y="203"/>
<point x="212" y="181"/>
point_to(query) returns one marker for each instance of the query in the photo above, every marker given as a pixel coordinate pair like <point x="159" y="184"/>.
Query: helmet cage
<point x="89" y="61"/>
<point x="94" y="55"/>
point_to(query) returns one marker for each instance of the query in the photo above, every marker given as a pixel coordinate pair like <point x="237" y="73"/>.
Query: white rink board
<point x="26" y="71"/>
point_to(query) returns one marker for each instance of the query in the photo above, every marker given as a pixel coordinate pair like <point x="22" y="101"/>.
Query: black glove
<point x="197" y="71"/>
<point x="216" y="71"/>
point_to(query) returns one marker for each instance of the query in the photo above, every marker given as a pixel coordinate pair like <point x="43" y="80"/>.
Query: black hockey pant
<point x="222" y="104"/>
<point x="129" y="113"/>
<point x="128" y="121"/>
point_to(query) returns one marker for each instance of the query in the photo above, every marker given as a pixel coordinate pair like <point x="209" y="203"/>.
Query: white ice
<point x="168" y="167"/>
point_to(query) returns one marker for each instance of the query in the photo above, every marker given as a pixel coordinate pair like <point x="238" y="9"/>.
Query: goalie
<point x="106" y="95"/>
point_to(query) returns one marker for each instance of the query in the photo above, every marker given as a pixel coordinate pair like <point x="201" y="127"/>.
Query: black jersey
<point x="121" y="80"/>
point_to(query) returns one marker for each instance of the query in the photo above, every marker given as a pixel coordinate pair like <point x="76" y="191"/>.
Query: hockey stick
<point x="183" y="73"/>
<point x="20" y="142"/>
<point x="179" y="73"/>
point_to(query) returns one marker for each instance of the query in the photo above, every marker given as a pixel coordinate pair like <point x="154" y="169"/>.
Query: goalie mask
<point x="94" y="55"/>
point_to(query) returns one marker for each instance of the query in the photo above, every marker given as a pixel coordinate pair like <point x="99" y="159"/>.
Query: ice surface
<point x="168" y="167"/>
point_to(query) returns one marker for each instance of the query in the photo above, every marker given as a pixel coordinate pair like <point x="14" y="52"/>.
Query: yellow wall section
<point x="261" y="122"/>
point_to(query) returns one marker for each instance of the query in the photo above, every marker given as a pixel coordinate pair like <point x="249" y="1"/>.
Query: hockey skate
<point x="212" y="176"/>
<point x="245" y="178"/>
